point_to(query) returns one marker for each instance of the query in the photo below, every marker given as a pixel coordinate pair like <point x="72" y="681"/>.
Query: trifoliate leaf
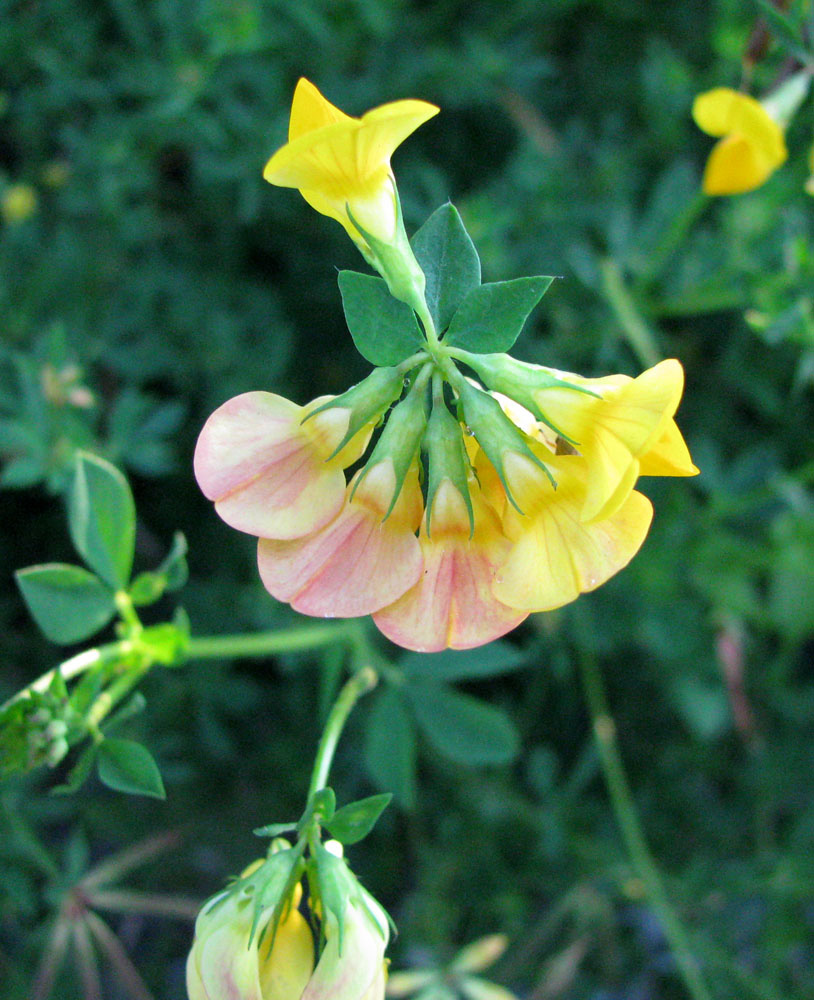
<point x="67" y="602"/>
<point x="454" y="665"/>
<point x="390" y="747"/>
<point x="490" y="318"/>
<point x="384" y="330"/>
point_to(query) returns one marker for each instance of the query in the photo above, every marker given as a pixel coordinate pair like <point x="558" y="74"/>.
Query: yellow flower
<point x="341" y="165"/>
<point x="19" y="203"/>
<point x="752" y="145"/>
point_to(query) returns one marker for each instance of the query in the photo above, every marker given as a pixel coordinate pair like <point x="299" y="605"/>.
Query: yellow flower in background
<point x="751" y="147"/>
<point x="341" y="165"/>
<point x="19" y="202"/>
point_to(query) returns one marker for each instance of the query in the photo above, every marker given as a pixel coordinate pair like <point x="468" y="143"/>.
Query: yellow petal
<point x="669" y="456"/>
<point x="555" y="555"/>
<point x="723" y="111"/>
<point x="735" y="166"/>
<point x="286" y="969"/>
<point x="310" y="111"/>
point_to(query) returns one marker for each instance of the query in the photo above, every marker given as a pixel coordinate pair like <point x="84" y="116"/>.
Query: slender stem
<point x="637" y="333"/>
<point x="291" y="640"/>
<point x="630" y="827"/>
<point x="360" y="683"/>
<point x="74" y="666"/>
<point x="427" y="322"/>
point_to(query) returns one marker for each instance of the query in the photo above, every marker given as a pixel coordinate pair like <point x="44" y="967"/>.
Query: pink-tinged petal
<point x="266" y="470"/>
<point x="556" y="556"/>
<point x="358" y="562"/>
<point x="355" y="973"/>
<point x="227" y="967"/>
<point x="452" y="605"/>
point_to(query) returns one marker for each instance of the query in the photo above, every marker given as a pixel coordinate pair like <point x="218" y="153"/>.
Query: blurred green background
<point x="147" y="273"/>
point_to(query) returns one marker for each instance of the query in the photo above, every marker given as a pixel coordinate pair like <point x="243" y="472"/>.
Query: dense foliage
<point x="155" y="274"/>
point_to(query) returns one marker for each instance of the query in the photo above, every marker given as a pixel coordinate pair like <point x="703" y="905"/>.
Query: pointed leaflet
<point x="497" y="658"/>
<point x="449" y="260"/>
<point x="67" y="602"/>
<point x="102" y="519"/>
<point x="490" y="318"/>
<point x="353" y="822"/>
<point x="127" y="766"/>
<point x="384" y="330"/>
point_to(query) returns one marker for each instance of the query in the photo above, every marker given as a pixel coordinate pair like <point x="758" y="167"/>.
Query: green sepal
<point x="494" y="432"/>
<point x="102" y="519"/>
<point x="166" y="642"/>
<point x="127" y="766"/>
<point x="353" y="822"/>
<point x="367" y="401"/>
<point x="384" y="329"/>
<point x="67" y="602"/>
<point x="447" y="459"/>
<point x="518" y="380"/>
<point x="400" y="440"/>
<point x="270" y="886"/>
<point x="395" y="260"/>
<point x="332" y="883"/>
<point x="450" y="262"/>
<point x="491" y="316"/>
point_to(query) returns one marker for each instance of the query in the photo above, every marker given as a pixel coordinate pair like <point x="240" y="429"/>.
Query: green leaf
<point x="390" y="747"/>
<point x="462" y="727"/>
<point x="384" y="330"/>
<point x="354" y="821"/>
<point x="449" y="260"/>
<point x="102" y="519"/>
<point x="490" y="318"/>
<point x="127" y="766"/>
<point x="452" y="665"/>
<point x="67" y="602"/>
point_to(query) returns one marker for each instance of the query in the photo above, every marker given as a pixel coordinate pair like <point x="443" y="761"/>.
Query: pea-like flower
<point x="341" y="164"/>
<point x="751" y="145"/>
<point x="253" y="943"/>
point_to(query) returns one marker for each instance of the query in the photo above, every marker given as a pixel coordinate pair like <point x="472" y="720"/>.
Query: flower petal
<point x="452" y="604"/>
<point x="556" y="556"/>
<point x="266" y="470"/>
<point x="286" y="968"/>
<point x="357" y="973"/>
<point x="310" y="111"/>
<point x="669" y="456"/>
<point x="735" y="166"/>
<point x="358" y="562"/>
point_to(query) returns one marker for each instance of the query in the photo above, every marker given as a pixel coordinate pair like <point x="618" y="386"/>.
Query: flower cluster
<point x="253" y="943"/>
<point x="490" y="492"/>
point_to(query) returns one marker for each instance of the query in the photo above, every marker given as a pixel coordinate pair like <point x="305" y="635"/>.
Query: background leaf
<point x="67" y="602"/>
<point x="462" y="727"/>
<point x="390" y="747"/>
<point x="127" y="766"/>
<point x="102" y="519"/>
<point x="353" y="822"/>
<point x="496" y="658"/>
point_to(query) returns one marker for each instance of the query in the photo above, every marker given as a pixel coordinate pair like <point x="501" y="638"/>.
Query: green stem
<point x="433" y="343"/>
<point x="360" y="683"/>
<point x="626" y="816"/>
<point x="637" y="333"/>
<point x="291" y="640"/>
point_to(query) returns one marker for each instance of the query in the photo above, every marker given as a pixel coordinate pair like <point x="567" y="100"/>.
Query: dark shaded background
<point x="159" y="275"/>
